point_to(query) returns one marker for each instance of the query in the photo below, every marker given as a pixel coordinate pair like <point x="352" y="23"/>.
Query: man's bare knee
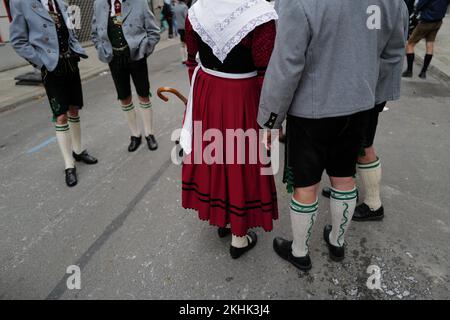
<point x="369" y="156"/>
<point x="430" y="47"/>
<point x="61" y="120"/>
<point x="144" y="99"/>
<point x="73" y="111"/>
<point x="126" y="101"/>
<point x="410" y="47"/>
<point x="306" y="195"/>
<point x="343" y="184"/>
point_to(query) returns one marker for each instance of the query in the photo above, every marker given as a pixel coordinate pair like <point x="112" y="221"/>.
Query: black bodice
<point x="239" y="60"/>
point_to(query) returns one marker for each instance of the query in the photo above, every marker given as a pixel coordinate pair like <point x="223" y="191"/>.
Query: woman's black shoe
<point x="84" y="157"/>
<point x="224" y="232"/>
<point x="364" y="213"/>
<point x="71" y="177"/>
<point x="336" y="253"/>
<point x="151" y="142"/>
<point x="134" y="144"/>
<point x="237" y="252"/>
<point x="284" y="249"/>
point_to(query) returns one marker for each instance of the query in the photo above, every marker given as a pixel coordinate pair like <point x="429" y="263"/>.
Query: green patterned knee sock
<point x="342" y="207"/>
<point x="303" y="217"/>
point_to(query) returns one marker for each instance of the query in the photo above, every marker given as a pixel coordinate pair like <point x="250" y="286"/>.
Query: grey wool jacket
<point x="333" y="58"/>
<point x="33" y="33"/>
<point x="140" y="29"/>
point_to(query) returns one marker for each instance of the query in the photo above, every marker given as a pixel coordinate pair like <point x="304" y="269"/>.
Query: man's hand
<point x="267" y="138"/>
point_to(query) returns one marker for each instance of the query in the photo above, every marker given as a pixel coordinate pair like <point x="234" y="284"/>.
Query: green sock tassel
<point x="288" y="179"/>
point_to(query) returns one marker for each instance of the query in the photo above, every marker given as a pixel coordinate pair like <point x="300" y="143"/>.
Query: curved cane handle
<point x="173" y="91"/>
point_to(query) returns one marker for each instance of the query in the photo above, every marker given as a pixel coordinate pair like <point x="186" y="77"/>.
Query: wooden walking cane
<point x="165" y="99"/>
<point x="173" y="91"/>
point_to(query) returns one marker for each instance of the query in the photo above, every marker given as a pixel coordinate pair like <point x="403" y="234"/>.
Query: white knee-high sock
<point x="65" y="144"/>
<point x="342" y="207"/>
<point x="371" y="177"/>
<point x="130" y="114"/>
<point x="75" y="130"/>
<point x="239" y="242"/>
<point x="147" y="117"/>
<point x="303" y="217"/>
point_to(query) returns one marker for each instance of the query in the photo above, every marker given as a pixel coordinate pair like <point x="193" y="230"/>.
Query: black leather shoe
<point x="423" y="75"/>
<point x="364" y="213"/>
<point x="326" y="192"/>
<point x="134" y="144"/>
<point x="71" y="177"/>
<point x="224" y="232"/>
<point x="284" y="249"/>
<point x="336" y="253"/>
<point x="84" y="157"/>
<point x="151" y="142"/>
<point x="237" y="252"/>
<point x="407" y="74"/>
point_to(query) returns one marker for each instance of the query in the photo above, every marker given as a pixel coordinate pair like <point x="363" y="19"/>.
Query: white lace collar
<point x="222" y="24"/>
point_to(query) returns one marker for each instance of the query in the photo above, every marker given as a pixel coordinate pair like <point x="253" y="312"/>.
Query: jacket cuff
<point x="269" y="120"/>
<point x="387" y="98"/>
<point x="35" y="65"/>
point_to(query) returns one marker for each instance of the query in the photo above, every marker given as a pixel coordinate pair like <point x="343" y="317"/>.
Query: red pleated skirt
<point x="235" y="194"/>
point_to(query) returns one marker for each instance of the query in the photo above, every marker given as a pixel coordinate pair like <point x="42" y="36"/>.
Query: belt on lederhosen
<point x="121" y="56"/>
<point x="67" y="63"/>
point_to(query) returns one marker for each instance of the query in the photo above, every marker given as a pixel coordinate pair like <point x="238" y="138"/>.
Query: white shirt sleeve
<point x="113" y="13"/>
<point x="45" y="4"/>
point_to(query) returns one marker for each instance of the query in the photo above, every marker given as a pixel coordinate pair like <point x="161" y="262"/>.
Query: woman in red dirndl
<point x="226" y="85"/>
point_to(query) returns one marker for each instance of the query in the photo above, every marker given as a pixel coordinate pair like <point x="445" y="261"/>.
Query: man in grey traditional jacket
<point x="180" y="12"/>
<point x="125" y="33"/>
<point x="41" y="33"/>
<point x="333" y="61"/>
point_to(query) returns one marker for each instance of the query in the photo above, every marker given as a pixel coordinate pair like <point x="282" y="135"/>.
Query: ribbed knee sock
<point x="146" y="111"/>
<point x="342" y="207"/>
<point x="410" y="59"/>
<point x="426" y="62"/>
<point x="65" y="144"/>
<point x="371" y="177"/>
<point x="130" y="115"/>
<point x="75" y="130"/>
<point x="303" y="217"/>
